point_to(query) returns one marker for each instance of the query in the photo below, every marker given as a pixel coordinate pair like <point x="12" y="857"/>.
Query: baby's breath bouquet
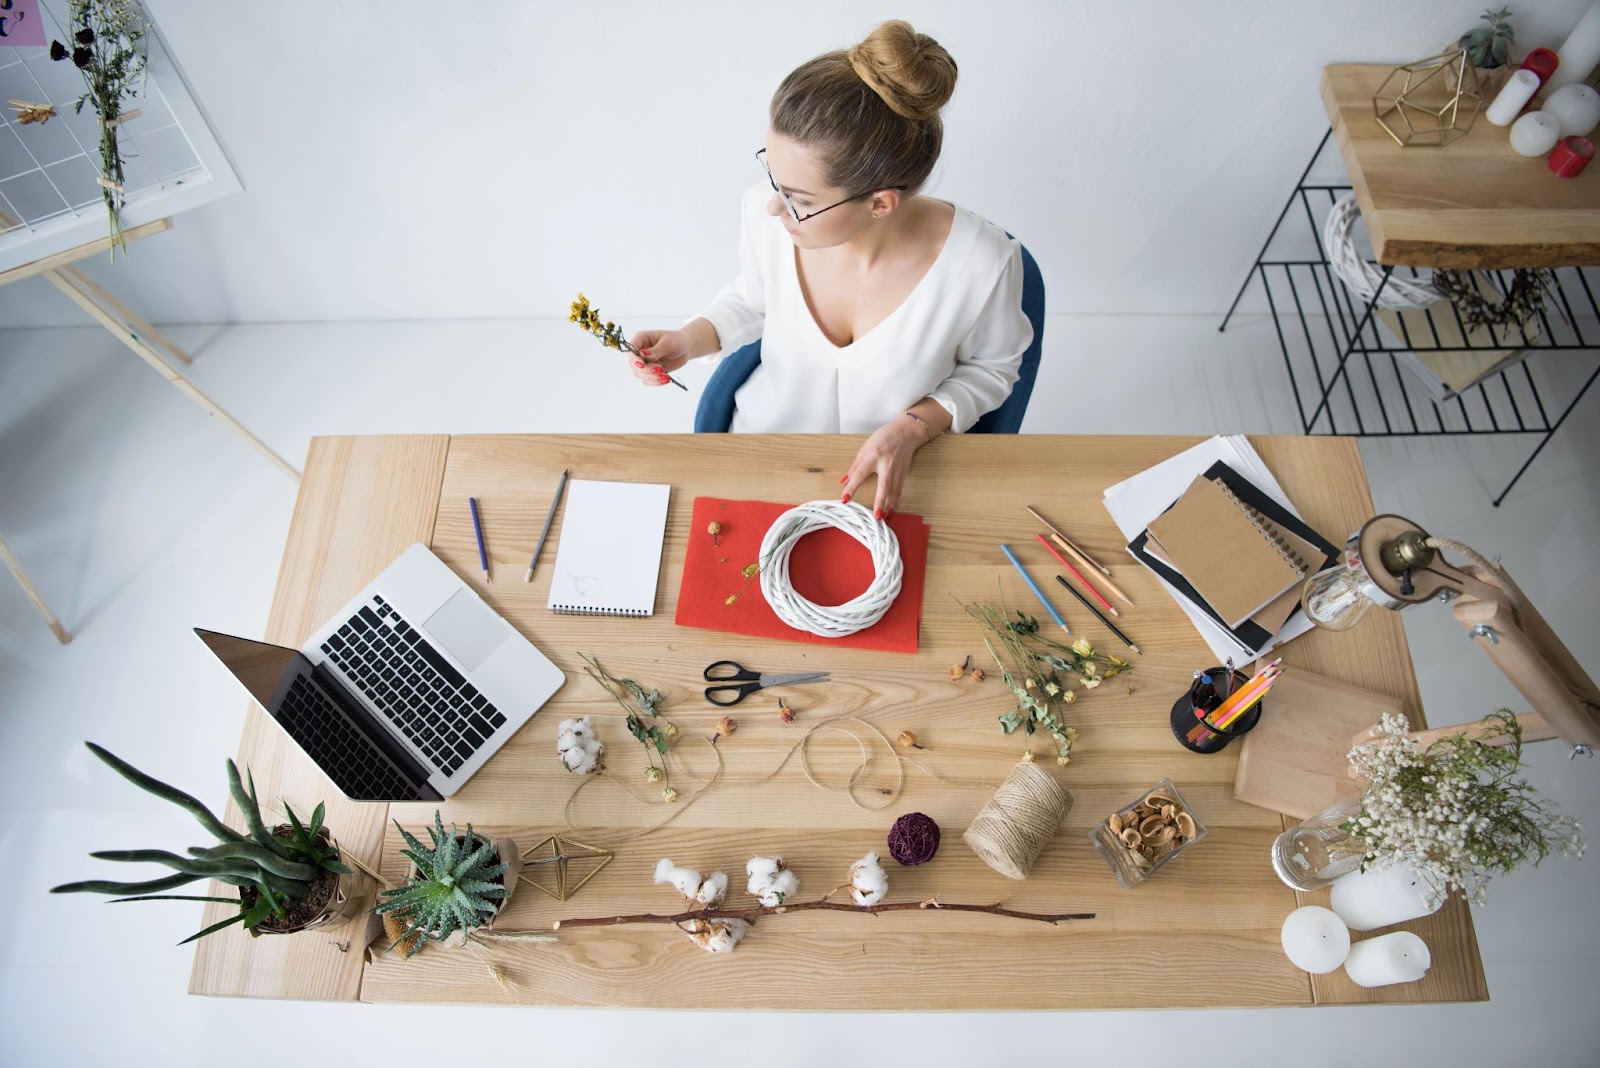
<point x="1457" y="812"/>
<point x="1040" y="673"/>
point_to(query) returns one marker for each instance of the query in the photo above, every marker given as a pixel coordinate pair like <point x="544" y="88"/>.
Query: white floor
<point x="140" y="518"/>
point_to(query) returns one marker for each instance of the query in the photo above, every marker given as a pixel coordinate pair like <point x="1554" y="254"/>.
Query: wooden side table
<point x="1473" y="204"/>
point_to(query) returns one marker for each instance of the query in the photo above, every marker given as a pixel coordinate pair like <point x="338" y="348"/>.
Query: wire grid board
<point x="48" y="172"/>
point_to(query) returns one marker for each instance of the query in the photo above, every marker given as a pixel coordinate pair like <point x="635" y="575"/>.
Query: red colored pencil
<point x="1078" y="575"/>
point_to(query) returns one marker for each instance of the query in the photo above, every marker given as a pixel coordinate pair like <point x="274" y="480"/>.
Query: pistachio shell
<point x="1150" y="825"/>
<point x="1132" y="838"/>
<point x="1156" y="799"/>
<point x="1114" y="821"/>
<point x="1186" y="825"/>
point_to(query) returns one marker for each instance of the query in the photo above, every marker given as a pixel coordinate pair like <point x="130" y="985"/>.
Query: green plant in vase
<point x="108" y="48"/>
<point x="1489" y="46"/>
<point x="456" y="885"/>
<point x="288" y="876"/>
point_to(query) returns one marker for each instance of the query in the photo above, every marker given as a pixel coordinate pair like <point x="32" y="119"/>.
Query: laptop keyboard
<point x="421" y="693"/>
<point x="357" y="766"/>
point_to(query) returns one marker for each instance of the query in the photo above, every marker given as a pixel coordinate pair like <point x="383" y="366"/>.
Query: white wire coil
<point x="830" y="621"/>
<point x="1361" y="277"/>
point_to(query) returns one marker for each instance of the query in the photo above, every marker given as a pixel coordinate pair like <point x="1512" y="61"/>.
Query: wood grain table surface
<point x="1472" y="203"/>
<point x="1203" y="931"/>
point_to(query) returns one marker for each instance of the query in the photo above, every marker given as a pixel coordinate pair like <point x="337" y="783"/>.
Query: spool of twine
<point x="1019" y="819"/>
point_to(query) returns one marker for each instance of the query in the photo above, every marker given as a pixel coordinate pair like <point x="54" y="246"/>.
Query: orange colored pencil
<point x="1248" y="695"/>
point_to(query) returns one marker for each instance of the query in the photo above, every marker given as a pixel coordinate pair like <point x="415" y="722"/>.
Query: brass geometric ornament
<point x="1431" y="102"/>
<point x="560" y="856"/>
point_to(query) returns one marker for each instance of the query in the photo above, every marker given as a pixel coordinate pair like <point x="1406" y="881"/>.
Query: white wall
<point x="475" y="160"/>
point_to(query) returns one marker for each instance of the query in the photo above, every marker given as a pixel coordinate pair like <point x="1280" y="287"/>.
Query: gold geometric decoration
<point x="1431" y="102"/>
<point x="562" y="853"/>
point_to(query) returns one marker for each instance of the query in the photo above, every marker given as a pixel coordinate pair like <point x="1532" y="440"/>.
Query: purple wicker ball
<point x="913" y="839"/>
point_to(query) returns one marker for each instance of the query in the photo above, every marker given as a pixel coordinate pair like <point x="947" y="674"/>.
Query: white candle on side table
<point x="1580" y="53"/>
<point x="1576" y="108"/>
<point x="1535" y="134"/>
<point x="1401" y="957"/>
<point x="1519" y="89"/>
<point x="1368" y="899"/>
<point x="1315" y="939"/>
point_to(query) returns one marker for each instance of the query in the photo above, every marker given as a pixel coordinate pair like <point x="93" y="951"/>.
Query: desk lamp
<point x="1393" y="563"/>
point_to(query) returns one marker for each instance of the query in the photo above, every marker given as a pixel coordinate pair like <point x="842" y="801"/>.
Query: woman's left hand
<point x="887" y="454"/>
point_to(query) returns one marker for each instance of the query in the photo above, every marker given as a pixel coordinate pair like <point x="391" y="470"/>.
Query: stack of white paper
<point x="1133" y="503"/>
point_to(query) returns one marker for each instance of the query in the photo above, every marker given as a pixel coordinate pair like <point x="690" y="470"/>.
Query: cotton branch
<point x="751" y="915"/>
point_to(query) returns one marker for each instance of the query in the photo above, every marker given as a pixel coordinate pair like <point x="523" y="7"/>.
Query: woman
<point x="880" y="311"/>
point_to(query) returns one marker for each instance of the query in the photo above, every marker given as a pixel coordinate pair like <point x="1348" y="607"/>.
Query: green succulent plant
<point x="1490" y="46"/>
<point x="279" y="870"/>
<point x="457" y="886"/>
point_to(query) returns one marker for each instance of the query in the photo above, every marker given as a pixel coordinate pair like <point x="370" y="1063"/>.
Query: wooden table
<point x="1473" y="203"/>
<point x="1204" y="931"/>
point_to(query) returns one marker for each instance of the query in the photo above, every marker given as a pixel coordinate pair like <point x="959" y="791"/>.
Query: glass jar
<point x="1314" y="853"/>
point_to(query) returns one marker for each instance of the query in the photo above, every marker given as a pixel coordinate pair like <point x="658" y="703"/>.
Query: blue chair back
<point x="714" y="415"/>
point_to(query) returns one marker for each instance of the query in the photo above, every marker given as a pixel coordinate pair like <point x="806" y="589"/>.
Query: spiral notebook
<point x="1239" y="561"/>
<point x="609" y="555"/>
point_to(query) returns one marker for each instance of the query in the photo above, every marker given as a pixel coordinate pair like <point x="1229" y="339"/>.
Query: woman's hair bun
<point x="910" y="71"/>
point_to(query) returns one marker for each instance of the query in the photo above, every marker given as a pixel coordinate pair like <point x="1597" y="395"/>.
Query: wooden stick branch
<point x="751" y="915"/>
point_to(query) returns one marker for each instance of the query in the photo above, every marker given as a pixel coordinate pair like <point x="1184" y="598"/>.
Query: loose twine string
<point x="802" y="747"/>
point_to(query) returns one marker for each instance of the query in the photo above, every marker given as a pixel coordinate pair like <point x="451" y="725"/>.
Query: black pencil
<point x="1098" y="615"/>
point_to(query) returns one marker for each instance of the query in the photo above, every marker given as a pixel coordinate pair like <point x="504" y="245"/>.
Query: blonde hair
<point x="871" y="112"/>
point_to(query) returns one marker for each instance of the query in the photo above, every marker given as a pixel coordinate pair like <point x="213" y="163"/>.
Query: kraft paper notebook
<point x="1235" y="558"/>
<point x="609" y="556"/>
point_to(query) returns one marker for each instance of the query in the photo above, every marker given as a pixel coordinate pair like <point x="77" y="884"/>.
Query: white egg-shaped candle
<point x="1535" y="134"/>
<point x="1315" y="939"/>
<point x="1576" y="108"/>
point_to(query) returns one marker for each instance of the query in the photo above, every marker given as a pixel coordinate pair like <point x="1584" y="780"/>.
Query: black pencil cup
<point x="1190" y="722"/>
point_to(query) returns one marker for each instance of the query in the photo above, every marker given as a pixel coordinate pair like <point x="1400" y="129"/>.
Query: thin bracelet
<point x="927" y="430"/>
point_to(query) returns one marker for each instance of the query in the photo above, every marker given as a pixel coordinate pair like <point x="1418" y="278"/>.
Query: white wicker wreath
<point x="1362" y="277"/>
<point x="830" y="621"/>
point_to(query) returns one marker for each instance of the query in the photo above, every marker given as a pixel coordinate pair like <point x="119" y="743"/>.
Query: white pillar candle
<point x="1315" y="939"/>
<point x="1575" y="107"/>
<point x="1401" y="957"/>
<point x="1535" y="134"/>
<point x="1519" y="89"/>
<point x="1580" y="54"/>
<point x="1368" y="899"/>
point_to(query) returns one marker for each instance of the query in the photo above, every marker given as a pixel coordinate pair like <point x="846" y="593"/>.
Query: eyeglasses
<point x="794" y="212"/>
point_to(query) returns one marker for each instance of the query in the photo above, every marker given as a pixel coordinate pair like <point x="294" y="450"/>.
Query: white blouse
<point x="958" y="337"/>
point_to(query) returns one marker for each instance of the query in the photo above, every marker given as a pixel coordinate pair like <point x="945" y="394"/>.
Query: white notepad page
<point x="609" y="555"/>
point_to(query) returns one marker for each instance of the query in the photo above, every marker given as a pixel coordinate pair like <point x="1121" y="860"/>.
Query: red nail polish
<point x="877" y="513"/>
<point x="644" y="352"/>
<point x="843" y="480"/>
<point x="845" y="499"/>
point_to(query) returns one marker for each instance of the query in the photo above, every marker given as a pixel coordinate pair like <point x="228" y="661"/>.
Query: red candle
<point x="1570" y="156"/>
<point x="1542" y="62"/>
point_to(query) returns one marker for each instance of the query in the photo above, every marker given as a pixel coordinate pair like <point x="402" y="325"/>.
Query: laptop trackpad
<point x="467" y="628"/>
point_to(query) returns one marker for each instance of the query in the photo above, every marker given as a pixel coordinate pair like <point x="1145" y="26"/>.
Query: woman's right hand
<point x="660" y="353"/>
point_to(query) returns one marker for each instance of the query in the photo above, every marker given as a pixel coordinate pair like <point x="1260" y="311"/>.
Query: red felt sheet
<point x="826" y="567"/>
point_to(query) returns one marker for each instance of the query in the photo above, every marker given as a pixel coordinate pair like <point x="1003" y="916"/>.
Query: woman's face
<point x="798" y="173"/>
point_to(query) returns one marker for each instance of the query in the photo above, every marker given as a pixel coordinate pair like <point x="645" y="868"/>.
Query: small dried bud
<point x="653" y="774"/>
<point x="714" y="528"/>
<point x="785" y="713"/>
<point x="725" y="726"/>
<point x="977" y="674"/>
<point x="669" y="795"/>
<point x="1063" y="760"/>
<point x="908" y="740"/>
<point x="956" y="672"/>
<point x="1027" y="756"/>
<point x="668" y="729"/>
<point x="732" y="599"/>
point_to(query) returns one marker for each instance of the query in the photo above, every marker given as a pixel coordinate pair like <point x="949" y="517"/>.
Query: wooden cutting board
<point x="1296" y="761"/>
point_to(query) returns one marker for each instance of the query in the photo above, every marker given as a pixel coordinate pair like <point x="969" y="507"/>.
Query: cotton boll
<point x="869" y="883"/>
<point x="684" y="880"/>
<point x="761" y="869"/>
<point x="577" y="746"/>
<point x="713" y="890"/>
<point x="784" y="886"/>
<point x="716" y="936"/>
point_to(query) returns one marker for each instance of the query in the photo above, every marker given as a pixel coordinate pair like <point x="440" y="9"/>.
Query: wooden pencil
<point x="1112" y="627"/>
<point x="1068" y="542"/>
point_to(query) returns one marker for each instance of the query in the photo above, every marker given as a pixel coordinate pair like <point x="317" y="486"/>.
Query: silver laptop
<point x="407" y="691"/>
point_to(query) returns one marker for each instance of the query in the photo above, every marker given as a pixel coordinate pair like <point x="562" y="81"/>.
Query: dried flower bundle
<point x="610" y="334"/>
<point x="1457" y="811"/>
<point x="1040" y="672"/>
<point x="655" y="735"/>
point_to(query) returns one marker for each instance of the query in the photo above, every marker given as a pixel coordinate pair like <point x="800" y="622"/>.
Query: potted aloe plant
<point x="290" y="877"/>
<point x="461" y="883"/>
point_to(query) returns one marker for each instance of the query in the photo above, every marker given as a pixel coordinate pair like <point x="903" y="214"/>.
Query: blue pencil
<point x="1034" y="586"/>
<point x="477" y="529"/>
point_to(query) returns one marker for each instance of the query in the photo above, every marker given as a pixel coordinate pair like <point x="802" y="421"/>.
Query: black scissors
<point x="736" y="682"/>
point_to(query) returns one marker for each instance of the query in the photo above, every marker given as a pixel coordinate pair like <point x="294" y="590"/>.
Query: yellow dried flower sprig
<point x="610" y="334"/>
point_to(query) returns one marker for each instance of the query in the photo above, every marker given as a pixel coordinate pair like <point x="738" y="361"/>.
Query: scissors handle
<point x="736" y="672"/>
<point x="731" y="693"/>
